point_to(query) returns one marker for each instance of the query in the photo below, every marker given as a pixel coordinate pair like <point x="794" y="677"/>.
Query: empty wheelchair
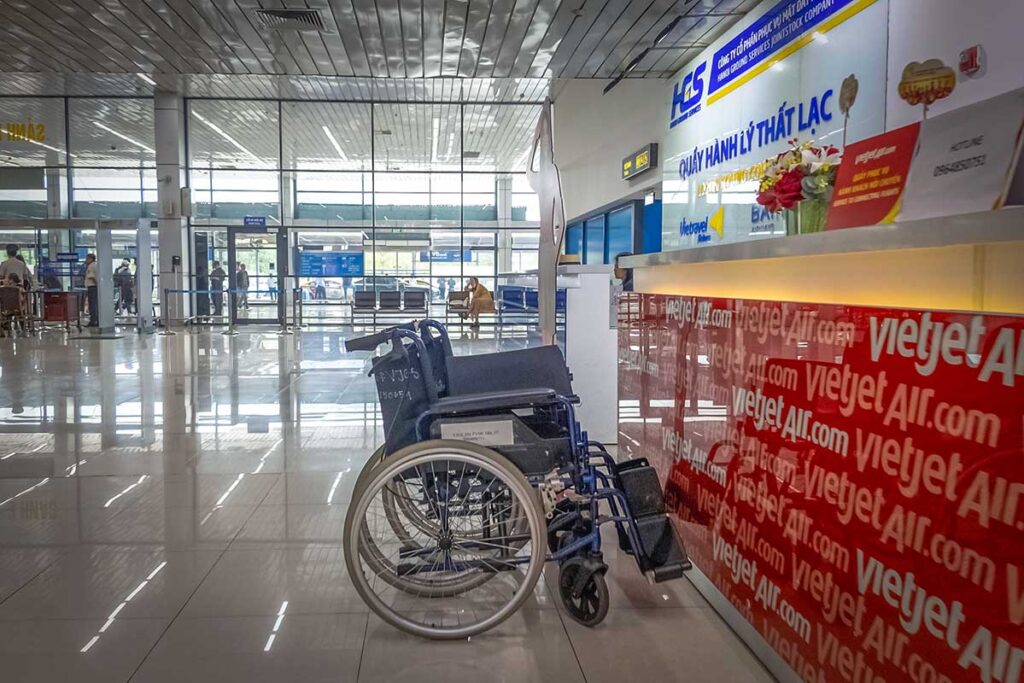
<point x="484" y="476"/>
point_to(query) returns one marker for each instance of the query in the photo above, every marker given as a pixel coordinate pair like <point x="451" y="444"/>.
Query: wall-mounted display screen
<point x="331" y="263"/>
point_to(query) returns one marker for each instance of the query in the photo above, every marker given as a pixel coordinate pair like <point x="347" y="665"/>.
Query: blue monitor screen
<point x="331" y="264"/>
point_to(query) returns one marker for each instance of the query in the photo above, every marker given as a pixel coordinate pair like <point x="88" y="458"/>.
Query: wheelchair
<point x="484" y="476"/>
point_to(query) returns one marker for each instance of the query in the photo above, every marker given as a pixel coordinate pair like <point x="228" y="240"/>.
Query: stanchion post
<point x="231" y="331"/>
<point x="166" y="331"/>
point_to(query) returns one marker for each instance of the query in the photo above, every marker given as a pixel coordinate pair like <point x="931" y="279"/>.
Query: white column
<point x="504" y="192"/>
<point x="105" y="271"/>
<point x="174" y="267"/>
<point x="143" y="284"/>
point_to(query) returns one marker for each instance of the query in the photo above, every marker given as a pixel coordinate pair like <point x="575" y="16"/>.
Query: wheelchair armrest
<point x="492" y="400"/>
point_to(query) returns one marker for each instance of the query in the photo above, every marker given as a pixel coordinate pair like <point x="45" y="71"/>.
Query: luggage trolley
<point x="483" y="477"/>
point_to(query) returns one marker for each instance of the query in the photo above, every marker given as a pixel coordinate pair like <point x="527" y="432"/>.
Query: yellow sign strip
<point x="790" y="49"/>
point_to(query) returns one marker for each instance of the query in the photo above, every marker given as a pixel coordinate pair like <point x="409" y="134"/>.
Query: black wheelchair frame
<point x="587" y="477"/>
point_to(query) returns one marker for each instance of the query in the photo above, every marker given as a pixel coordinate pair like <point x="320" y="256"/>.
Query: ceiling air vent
<point x="290" y="19"/>
<point x="470" y="155"/>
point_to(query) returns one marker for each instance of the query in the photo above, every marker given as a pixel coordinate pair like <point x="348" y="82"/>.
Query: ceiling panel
<point x="193" y="42"/>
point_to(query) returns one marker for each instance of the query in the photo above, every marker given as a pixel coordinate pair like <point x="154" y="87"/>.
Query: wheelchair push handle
<point x="372" y="341"/>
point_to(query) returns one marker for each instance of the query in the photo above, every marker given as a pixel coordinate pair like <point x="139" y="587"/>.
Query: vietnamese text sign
<point x="871" y="178"/>
<point x="850" y="478"/>
<point x="965" y="159"/>
<point x="724" y="129"/>
<point x="776" y="29"/>
<point x="254" y="221"/>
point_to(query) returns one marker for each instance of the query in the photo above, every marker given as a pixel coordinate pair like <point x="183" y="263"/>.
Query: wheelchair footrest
<point x="661" y="554"/>
<point x="664" y="556"/>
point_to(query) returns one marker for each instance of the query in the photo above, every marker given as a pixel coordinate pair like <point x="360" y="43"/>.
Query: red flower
<point x="788" y="190"/>
<point x="768" y="200"/>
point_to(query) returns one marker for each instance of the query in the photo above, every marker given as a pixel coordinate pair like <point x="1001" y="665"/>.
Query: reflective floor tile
<point x="314" y="488"/>
<point x="292" y="524"/>
<point x="96" y="582"/>
<point x="173" y="528"/>
<point x="306" y="648"/>
<point x="531" y="646"/>
<point x="18" y="566"/>
<point x="675" y="643"/>
<point x="52" y="650"/>
<point x="311" y="579"/>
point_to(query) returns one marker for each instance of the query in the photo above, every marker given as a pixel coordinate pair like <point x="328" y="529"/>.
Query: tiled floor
<point x="164" y="499"/>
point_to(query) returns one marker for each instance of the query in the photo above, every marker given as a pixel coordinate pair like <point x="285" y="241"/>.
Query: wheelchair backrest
<point x="405" y="388"/>
<point x="541" y="366"/>
<point x="439" y="350"/>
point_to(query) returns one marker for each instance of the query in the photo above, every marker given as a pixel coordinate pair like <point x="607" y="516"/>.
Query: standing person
<point x="272" y="283"/>
<point x="480" y="301"/>
<point x="242" y="284"/>
<point x="123" y="282"/>
<point x="92" y="289"/>
<point x="217" y="277"/>
<point x="441" y="289"/>
<point x="15" y="264"/>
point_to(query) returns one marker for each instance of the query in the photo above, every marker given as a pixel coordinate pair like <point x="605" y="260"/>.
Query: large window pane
<point x="32" y="132"/>
<point x="113" y="193"/>
<point x="332" y="136"/>
<point x="498" y="137"/>
<point x="233" y="134"/>
<point x="324" y="198"/>
<point x="230" y="195"/>
<point x="112" y="132"/>
<point x="410" y="199"/>
<point x="417" y="137"/>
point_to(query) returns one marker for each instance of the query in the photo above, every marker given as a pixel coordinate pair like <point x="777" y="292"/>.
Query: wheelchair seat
<point x="491" y="400"/>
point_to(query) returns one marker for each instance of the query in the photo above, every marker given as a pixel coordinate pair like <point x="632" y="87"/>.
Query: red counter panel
<point x="851" y="479"/>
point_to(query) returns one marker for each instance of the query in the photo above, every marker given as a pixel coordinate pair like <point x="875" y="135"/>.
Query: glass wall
<point x="432" y="193"/>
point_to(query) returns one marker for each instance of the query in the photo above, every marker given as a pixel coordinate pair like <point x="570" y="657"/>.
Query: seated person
<point x="12" y="299"/>
<point x="480" y="301"/>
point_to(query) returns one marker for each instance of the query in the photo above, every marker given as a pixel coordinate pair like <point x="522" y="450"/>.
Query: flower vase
<point x="808" y="216"/>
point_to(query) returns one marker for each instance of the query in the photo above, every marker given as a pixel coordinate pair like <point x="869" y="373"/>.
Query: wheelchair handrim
<point x="449" y="452"/>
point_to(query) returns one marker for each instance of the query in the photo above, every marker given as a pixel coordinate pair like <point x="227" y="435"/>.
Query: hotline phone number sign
<point x="851" y="479"/>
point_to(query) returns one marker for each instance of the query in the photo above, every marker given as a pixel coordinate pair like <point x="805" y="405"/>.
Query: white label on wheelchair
<point x="488" y="433"/>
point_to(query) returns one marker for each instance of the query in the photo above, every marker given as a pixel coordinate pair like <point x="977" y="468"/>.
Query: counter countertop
<point x="1004" y="225"/>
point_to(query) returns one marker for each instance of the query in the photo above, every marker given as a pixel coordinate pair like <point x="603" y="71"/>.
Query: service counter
<point x="837" y="420"/>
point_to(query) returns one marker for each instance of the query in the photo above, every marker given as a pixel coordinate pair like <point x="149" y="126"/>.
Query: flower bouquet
<point x="799" y="181"/>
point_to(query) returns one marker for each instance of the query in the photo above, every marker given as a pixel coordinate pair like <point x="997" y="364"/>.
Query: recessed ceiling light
<point x="146" y="78"/>
<point x="124" y="137"/>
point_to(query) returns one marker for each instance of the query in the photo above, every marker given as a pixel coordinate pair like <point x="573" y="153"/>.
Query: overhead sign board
<point x="255" y="221"/>
<point x="446" y="255"/>
<point x="639" y="161"/>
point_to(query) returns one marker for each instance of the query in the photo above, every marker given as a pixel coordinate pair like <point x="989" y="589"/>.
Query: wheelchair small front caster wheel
<point x="586" y="604"/>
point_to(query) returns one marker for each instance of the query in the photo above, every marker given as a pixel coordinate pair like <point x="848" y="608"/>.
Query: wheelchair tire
<point x="591" y="606"/>
<point x="469" y="578"/>
<point x="379" y="563"/>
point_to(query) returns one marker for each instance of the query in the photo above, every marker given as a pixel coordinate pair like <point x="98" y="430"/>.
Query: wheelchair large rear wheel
<point x="471" y="570"/>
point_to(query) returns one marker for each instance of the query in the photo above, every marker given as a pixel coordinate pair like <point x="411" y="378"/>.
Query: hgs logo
<point x="687" y="94"/>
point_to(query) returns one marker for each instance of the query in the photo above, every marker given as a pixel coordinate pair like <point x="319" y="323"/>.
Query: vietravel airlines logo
<point x="702" y="229"/>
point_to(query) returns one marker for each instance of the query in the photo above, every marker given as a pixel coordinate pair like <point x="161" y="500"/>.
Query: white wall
<point x="595" y="132"/>
<point x="940" y="29"/>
